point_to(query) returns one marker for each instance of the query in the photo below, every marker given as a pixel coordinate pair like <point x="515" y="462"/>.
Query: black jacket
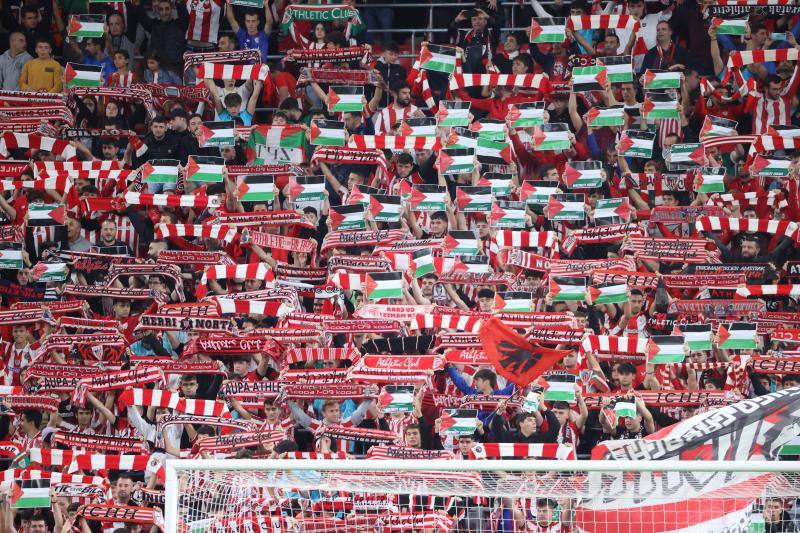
<point x="166" y="148"/>
<point x="502" y="435"/>
<point x="186" y="143"/>
<point x="168" y="38"/>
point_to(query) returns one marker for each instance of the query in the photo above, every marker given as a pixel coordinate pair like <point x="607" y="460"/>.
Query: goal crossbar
<point x="388" y="467"/>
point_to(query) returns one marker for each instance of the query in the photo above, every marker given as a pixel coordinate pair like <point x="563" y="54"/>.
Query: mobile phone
<point x="778" y="36"/>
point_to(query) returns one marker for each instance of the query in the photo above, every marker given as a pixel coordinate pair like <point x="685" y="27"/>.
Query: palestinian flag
<point x="729" y="27"/>
<point x="476" y="264"/>
<point x="461" y="138"/>
<point x="40" y="214"/>
<point x="619" y="69"/>
<point x="397" y="398"/>
<point x="494" y="152"/>
<point x="587" y="79"/>
<point x="385" y="207"/>
<point x="452" y="113"/>
<point x="438" y="58"/>
<point x="508" y="215"/>
<point x="278" y="136"/>
<point x="219" y="134"/>
<point x="343" y="99"/>
<point x="531" y="403"/>
<point x="45" y="272"/>
<point x="474" y="199"/>
<point x="456" y="161"/>
<point x="609" y="293"/>
<point x="460" y="242"/>
<point x="499" y="182"/>
<point x="538" y="192"/>
<point x="307" y="188"/>
<point x="566" y="207"/>
<point x="737" y="336"/>
<point x="790" y="448"/>
<point x="567" y="288"/>
<point x="718" y="127"/>
<point x="423" y="262"/>
<point x="362" y="193"/>
<point x="636" y="143"/>
<point x="688" y="153"/>
<point x="787" y="132"/>
<point x="160" y="171"/>
<point x="418" y="127"/>
<point x="619" y="408"/>
<point x="559" y="387"/>
<point x="77" y="75"/>
<point x="513" y="302"/>
<point x="583" y="174"/>
<point x="663" y="349"/>
<point x="327" y="133"/>
<point x="381" y="285"/>
<point x="612" y="211"/>
<point x="548" y="30"/>
<point x="770" y="166"/>
<point x="458" y="422"/>
<point x="606" y="116"/>
<point x="659" y="105"/>
<point x="551" y="136"/>
<point x="11" y="257"/>
<point x="87" y="26"/>
<point x="526" y="114"/>
<point x="257" y="188"/>
<point x="662" y="79"/>
<point x="709" y="183"/>
<point x="347" y="217"/>
<point x="30" y="493"/>
<point x="698" y="336"/>
<point x="204" y="168"/>
<point x="427" y="197"/>
<point x="493" y="130"/>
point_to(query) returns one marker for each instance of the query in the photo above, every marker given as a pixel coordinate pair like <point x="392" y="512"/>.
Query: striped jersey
<point x="767" y="112"/>
<point x="204" y="17"/>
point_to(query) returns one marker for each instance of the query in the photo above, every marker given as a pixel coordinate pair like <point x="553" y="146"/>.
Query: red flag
<point x="512" y="356"/>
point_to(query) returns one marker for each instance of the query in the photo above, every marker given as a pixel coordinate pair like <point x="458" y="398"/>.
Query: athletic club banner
<point x="692" y="501"/>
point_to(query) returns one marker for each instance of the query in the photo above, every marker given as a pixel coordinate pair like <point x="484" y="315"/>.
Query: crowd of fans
<point x="300" y="288"/>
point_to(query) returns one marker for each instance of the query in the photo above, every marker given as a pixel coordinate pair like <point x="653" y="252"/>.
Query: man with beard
<point x="400" y="109"/>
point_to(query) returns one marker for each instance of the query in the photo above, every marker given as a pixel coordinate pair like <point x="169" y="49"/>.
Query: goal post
<point x="208" y="495"/>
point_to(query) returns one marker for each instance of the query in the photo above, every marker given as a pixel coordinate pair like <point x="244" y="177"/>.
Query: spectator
<point x="43" y="73"/>
<point x="12" y="61"/>
<point x="251" y="37"/>
<point x="167" y="33"/>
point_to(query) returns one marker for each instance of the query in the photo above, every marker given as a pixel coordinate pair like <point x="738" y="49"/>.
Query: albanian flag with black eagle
<point x="512" y="356"/>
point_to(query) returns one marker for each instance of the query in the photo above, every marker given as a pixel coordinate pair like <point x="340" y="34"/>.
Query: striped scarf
<point x="392" y="142"/>
<point x="31" y="141"/>
<point x="528" y="81"/>
<point x="115" y="380"/>
<point x="171" y="400"/>
<point x="751" y="225"/>
<point x="326" y="55"/>
<point x="521" y="450"/>
<point x="223" y="233"/>
<point x="260" y="271"/>
<point x="457" y="322"/>
<point x="194" y="201"/>
<point x="99" y="442"/>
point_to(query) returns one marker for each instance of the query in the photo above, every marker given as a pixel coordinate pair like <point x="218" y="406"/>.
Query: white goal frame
<point x="174" y="466"/>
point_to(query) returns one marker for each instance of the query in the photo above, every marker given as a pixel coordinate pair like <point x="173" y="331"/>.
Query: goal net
<point x="480" y="495"/>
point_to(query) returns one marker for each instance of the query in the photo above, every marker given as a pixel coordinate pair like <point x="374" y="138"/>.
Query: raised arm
<point x="231" y="16"/>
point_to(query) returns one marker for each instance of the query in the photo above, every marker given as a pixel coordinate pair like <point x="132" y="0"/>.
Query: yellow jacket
<point x="41" y="75"/>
